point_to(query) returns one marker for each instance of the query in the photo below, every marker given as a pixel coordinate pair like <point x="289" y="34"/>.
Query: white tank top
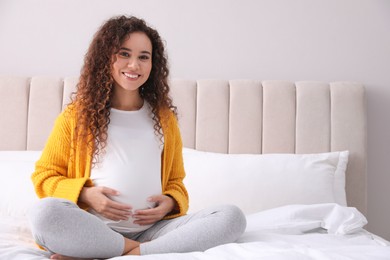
<point x="131" y="163"/>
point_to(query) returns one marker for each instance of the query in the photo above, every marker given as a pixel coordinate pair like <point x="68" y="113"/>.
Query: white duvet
<point x="321" y="231"/>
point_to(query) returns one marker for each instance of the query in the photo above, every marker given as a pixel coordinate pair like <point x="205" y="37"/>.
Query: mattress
<point x="321" y="231"/>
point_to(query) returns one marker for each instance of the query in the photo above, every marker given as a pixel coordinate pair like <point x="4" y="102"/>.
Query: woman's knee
<point x="47" y="210"/>
<point x="235" y="219"/>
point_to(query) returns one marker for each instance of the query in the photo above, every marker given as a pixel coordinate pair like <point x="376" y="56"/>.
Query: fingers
<point x="109" y="191"/>
<point x="111" y="203"/>
<point x="101" y="202"/>
<point x="116" y="215"/>
<point x="115" y="210"/>
<point x="147" y="219"/>
<point x="117" y="205"/>
<point x="150" y="216"/>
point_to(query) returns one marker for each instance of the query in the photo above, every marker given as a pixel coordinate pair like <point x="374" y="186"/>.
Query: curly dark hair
<point x="94" y="93"/>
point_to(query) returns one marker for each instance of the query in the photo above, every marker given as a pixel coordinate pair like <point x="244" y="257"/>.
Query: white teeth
<point x="132" y="76"/>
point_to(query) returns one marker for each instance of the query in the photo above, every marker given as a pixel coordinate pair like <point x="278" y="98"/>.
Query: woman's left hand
<point x="165" y="205"/>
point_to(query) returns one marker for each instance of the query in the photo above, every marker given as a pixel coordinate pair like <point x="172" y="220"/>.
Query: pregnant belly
<point x="134" y="189"/>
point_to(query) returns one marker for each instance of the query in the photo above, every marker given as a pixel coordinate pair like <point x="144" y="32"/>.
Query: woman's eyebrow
<point x="127" y="49"/>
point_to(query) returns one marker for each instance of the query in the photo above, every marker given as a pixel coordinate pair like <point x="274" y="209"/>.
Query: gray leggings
<point x="60" y="226"/>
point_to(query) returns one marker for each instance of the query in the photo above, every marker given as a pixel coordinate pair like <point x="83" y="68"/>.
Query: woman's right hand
<point x="97" y="198"/>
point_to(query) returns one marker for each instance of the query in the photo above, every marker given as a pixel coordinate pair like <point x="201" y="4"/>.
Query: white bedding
<point x="321" y="231"/>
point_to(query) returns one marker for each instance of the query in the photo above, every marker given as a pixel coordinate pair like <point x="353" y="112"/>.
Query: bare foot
<point x="130" y="246"/>
<point x="135" y="251"/>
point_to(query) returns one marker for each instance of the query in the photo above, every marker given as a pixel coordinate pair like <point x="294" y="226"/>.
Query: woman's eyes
<point x="124" y="54"/>
<point x="144" y="57"/>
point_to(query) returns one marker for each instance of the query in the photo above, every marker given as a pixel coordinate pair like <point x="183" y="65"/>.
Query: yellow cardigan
<point x="62" y="171"/>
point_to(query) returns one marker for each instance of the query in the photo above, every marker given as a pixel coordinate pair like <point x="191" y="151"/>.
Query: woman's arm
<point x="174" y="168"/>
<point x="51" y="176"/>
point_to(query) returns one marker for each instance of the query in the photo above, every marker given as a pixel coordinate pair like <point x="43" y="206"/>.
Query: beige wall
<point x="271" y="39"/>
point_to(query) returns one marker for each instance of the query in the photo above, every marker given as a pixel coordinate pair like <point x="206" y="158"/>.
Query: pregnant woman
<point x="111" y="173"/>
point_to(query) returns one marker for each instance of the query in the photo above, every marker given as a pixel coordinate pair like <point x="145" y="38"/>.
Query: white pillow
<point x="256" y="182"/>
<point x="17" y="192"/>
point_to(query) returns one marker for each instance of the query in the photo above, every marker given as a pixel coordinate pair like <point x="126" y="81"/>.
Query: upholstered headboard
<point x="237" y="116"/>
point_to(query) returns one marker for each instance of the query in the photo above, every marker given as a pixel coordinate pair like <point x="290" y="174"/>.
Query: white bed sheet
<point x="323" y="231"/>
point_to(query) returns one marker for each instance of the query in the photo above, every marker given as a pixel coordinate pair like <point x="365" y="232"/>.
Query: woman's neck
<point x="127" y="101"/>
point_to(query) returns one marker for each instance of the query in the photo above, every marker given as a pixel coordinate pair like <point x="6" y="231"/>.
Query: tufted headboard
<point x="237" y="116"/>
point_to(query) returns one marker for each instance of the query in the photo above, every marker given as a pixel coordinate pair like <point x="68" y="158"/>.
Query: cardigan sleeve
<point x="175" y="187"/>
<point x="51" y="176"/>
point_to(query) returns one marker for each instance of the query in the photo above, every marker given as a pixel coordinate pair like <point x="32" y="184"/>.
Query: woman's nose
<point x="133" y="63"/>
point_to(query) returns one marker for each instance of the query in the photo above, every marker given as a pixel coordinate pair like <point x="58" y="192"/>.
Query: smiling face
<point x="132" y="64"/>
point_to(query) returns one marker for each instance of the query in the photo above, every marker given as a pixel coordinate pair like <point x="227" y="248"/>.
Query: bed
<point x="292" y="155"/>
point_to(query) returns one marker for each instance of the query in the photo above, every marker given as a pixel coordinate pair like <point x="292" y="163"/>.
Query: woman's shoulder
<point x="68" y="114"/>
<point x="169" y="121"/>
<point x="168" y="115"/>
<point x="167" y="111"/>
